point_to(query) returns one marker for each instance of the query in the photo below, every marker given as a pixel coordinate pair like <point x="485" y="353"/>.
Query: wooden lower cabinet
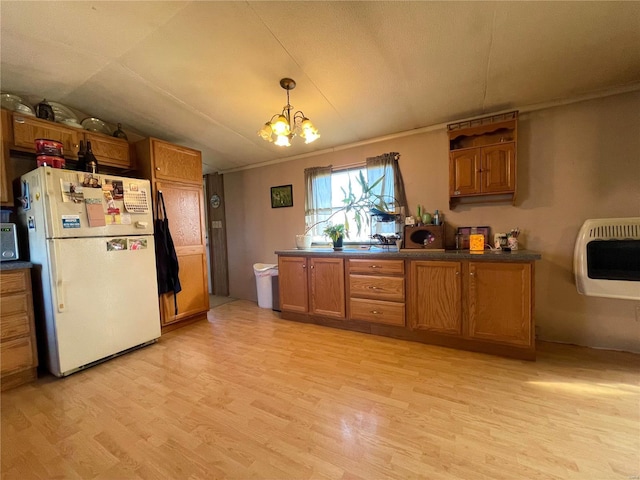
<point x="312" y="285"/>
<point x="486" y="301"/>
<point x="376" y="291"/>
<point x="500" y="303"/>
<point x="326" y="287"/>
<point x="18" y="351"/>
<point x="484" y="306"/>
<point x="436" y="296"/>
<point x="293" y="284"/>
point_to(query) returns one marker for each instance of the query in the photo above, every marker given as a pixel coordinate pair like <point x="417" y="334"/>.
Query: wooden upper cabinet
<point x="435" y="296"/>
<point x="176" y="163"/>
<point x="109" y="151"/>
<point x="500" y="302"/>
<point x="5" y="184"/>
<point x="26" y="129"/>
<point x="326" y="282"/>
<point x="464" y="172"/>
<point x="482" y="159"/>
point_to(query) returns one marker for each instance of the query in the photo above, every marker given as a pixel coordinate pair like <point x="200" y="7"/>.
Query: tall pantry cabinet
<point x="177" y="172"/>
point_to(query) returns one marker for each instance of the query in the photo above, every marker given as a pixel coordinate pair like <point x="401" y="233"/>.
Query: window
<point x="327" y="189"/>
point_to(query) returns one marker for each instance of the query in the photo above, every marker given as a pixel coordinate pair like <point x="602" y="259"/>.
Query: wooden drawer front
<point x="16" y="355"/>
<point x="14" y="325"/>
<point x="13" y="282"/>
<point x="109" y="150"/>
<point x="377" y="311"/>
<point x="377" y="288"/>
<point x="13" y="304"/>
<point x="377" y="267"/>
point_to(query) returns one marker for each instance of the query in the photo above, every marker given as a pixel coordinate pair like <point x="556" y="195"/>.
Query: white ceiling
<point x="206" y="74"/>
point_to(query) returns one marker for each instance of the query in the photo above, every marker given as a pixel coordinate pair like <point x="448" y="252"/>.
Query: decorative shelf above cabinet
<point x="482" y="159"/>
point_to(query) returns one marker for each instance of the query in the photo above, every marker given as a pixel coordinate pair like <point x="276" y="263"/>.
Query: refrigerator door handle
<point x="57" y="276"/>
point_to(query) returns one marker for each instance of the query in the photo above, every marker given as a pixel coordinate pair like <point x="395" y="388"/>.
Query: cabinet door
<point x="27" y="129"/>
<point x="185" y="211"/>
<point x="5" y="141"/>
<point x="175" y="163"/>
<point x="498" y="168"/>
<point x="327" y="287"/>
<point x="500" y="302"/>
<point x="436" y="296"/>
<point x="464" y="172"/>
<point x="292" y="273"/>
<point x="109" y="150"/>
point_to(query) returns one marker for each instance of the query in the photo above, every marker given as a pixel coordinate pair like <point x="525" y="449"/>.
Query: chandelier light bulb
<point x="283" y="141"/>
<point x="281" y="126"/>
<point x="286" y="126"/>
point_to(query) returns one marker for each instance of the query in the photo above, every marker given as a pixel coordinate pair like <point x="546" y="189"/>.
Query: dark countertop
<point x="392" y="252"/>
<point x="14" y="265"/>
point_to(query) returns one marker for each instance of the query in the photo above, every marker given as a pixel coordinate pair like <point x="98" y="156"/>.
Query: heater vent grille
<point x="617" y="232"/>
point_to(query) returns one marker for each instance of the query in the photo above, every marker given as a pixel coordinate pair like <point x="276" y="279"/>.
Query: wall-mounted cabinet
<point x="482" y="159"/>
<point x="110" y="151"/>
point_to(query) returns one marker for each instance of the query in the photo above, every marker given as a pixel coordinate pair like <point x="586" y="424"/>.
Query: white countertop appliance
<point x="91" y="242"/>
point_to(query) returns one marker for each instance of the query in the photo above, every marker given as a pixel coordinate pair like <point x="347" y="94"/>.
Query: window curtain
<point x="317" y="202"/>
<point x="391" y="188"/>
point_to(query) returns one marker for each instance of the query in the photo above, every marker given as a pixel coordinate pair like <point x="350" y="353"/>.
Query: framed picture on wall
<point x="282" y="196"/>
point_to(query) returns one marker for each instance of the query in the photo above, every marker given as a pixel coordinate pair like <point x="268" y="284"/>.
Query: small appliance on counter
<point x="429" y="237"/>
<point x="9" y="242"/>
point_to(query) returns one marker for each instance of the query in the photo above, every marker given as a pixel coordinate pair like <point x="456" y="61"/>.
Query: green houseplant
<point x="336" y="233"/>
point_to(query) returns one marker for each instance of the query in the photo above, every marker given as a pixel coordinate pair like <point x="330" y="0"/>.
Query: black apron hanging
<point x="166" y="258"/>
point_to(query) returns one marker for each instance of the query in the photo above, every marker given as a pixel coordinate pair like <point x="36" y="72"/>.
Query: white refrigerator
<point x="91" y="244"/>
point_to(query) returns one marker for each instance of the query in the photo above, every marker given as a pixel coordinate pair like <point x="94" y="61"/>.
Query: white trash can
<point x="264" y="272"/>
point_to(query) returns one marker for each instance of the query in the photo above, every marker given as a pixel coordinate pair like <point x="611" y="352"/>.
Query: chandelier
<point x="284" y="127"/>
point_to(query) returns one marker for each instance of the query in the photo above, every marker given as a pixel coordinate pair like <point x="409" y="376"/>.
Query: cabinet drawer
<point x="376" y="267"/>
<point x="16" y="355"/>
<point x="377" y="311"/>
<point x="13" y="281"/>
<point x="12" y="304"/>
<point x="14" y="325"/>
<point x="376" y="287"/>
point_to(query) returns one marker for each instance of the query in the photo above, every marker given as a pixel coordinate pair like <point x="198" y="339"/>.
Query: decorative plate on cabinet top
<point x="95" y="125"/>
<point x="62" y="113"/>
<point x="69" y="122"/>
<point x="10" y="101"/>
<point x="25" y="109"/>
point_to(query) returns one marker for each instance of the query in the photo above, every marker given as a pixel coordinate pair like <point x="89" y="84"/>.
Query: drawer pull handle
<point x="19" y="119"/>
<point x="376" y="312"/>
<point x="375" y="288"/>
<point x="375" y="266"/>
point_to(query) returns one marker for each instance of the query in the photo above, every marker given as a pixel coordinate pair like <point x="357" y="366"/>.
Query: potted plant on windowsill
<point x="336" y="233"/>
<point x="361" y="206"/>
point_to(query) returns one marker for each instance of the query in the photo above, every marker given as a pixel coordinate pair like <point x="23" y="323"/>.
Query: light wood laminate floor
<point x="247" y="395"/>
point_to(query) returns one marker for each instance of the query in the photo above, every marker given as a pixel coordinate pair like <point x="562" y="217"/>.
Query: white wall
<point x="575" y="162"/>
